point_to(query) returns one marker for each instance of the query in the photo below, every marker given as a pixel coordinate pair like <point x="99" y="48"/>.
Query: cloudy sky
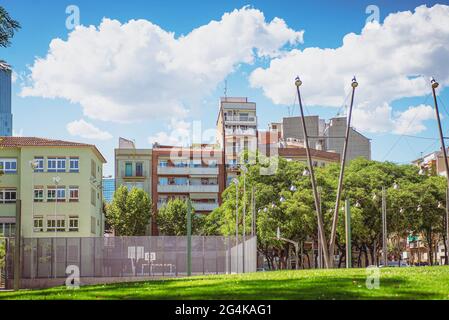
<point x="152" y="71"/>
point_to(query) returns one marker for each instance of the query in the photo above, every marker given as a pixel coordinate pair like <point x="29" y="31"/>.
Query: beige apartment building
<point x="58" y="183"/>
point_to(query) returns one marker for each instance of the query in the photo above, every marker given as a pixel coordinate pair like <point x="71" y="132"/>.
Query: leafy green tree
<point x="130" y="212"/>
<point x="172" y="219"/>
<point x="8" y="27"/>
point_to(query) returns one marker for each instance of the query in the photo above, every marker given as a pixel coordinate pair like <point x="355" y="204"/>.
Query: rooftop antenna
<point x="226" y="89"/>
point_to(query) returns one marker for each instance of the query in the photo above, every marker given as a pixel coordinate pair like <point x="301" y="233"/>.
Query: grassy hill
<point x="395" y="283"/>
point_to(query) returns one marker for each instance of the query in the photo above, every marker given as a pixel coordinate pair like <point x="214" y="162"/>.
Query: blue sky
<point x="324" y="23"/>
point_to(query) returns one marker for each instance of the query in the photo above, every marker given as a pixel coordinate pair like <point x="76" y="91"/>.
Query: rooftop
<point x="16" y="142"/>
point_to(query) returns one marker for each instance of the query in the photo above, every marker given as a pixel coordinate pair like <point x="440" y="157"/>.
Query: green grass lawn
<point x="395" y="283"/>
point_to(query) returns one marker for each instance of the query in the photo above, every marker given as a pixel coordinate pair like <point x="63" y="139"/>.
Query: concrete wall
<point x="359" y="145"/>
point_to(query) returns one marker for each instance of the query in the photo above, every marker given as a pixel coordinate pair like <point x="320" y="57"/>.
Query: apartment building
<point x="326" y="136"/>
<point x="194" y="173"/>
<point x="58" y="183"/>
<point x="236" y="130"/>
<point x="271" y="144"/>
<point x="133" y="166"/>
<point x="432" y="163"/>
<point x="5" y="99"/>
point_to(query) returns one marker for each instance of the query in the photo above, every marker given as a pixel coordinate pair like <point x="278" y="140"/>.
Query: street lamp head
<point x="265" y="209"/>
<point x="374" y="197"/>
<point x="293" y="188"/>
<point x="306" y="172"/>
<point x="421" y="172"/>
<point x="357" y="204"/>
<point x="273" y="205"/>
<point x="298" y="81"/>
<point x="440" y="205"/>
<point x="395" y="186"/>
<point x="419" y="208"/>
<point x="434" y="83"/>
<point x="354" y="83"/>
<point x="401" y="210"/>
<point x="282" y="199"/>
<point x="235" y="181"/>
<point x="244" y="168"/>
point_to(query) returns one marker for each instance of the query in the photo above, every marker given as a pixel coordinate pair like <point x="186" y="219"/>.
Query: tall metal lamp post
<point x="236" y="182"/>
<point x="298" y="83"/>
<point x="244" y="171"/>
<point x="446" y="164"/>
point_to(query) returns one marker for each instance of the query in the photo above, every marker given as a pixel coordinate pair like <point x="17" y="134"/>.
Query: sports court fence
<point x="116" y="257"/>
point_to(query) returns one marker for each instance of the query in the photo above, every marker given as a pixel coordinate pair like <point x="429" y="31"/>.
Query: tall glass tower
<point x="5" y="99"/>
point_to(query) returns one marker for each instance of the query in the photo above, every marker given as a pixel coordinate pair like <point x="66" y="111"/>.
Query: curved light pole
<point x="298" y="83"/>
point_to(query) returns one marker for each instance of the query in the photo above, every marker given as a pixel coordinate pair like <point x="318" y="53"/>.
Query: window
<point x="38" y="224"/>
<point x="92" y="197"/>
<point x="7" y="195"/>
<point x="181" y="181"/>
<point x="73" y="223"/>
<point x="39" y="164"/>
<point x="38" y="194"/>
<point x="73" y="194"/>
<point x="61" y="194"/>
<point x="51" y="194"/>
<point x="163" y="181"/>
<point x="93" y="172"/>
<point x="93" y="226"/>
<point x="74" y="165"/>
<point x="56" y="164"/>
<point x="128" y="169"/>
<point x="139" y="169"/>
<point x="8" y="166"/>
<point x="7" y="229"/>
<point x="57" y="224"/>
<point x="163" y="163"/>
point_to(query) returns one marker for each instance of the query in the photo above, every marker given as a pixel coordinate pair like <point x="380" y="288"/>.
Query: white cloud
<point x="383" y="119"/>
<point x="127" y="72"/>
<point x="392" y="60"/>
<point x="180" y="134"/>
<point x="87" y="130"/>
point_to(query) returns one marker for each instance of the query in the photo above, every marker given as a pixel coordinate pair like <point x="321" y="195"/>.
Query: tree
<point x="172" y="219"/>
<point x="8" y="27"/>
<point x="130" y="212"/>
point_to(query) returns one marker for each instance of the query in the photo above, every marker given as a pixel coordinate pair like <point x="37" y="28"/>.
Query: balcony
<point x="212" y="188"/>
<point x="204" y="206"/>
<point x="185" y="188"/>
<point x="239" y="132"/>
<point x="251" y="120"/>
<point x="188" y="170"/>
<point x="134" y="176"/>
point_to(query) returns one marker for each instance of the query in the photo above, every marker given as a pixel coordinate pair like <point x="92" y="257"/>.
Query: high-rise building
<point x="108" y="189"/>
<point x="237" y="130"/>
<point x="60" y="193"/>
<point x="5" y="99"/>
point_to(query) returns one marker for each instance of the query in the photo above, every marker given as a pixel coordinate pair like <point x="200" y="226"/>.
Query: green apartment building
<point x="58" y="183"/>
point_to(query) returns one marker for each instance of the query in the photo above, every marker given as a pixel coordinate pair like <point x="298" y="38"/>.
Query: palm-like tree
<point x="8" y="27"/>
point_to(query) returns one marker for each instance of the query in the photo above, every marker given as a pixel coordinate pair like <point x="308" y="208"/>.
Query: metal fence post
<point x="17" y="244"/>
<point x="189" y="238"/>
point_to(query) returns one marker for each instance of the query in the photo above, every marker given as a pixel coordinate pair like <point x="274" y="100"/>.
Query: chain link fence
<point x="160" y="256"/>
